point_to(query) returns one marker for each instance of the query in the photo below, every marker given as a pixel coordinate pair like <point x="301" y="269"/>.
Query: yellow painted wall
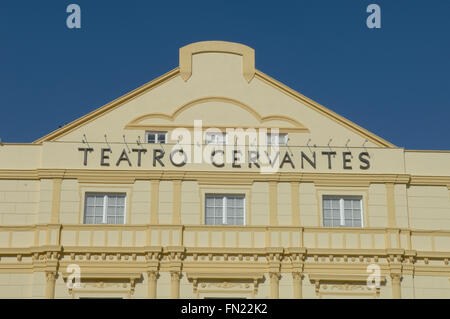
<point x="406" y="201"/>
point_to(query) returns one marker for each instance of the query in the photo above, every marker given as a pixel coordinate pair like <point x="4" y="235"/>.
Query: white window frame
<point x="215" y="138"/>
<point x="224" y="209"/>
<point x="342" y="209"/>
<point x="105" y="205"/>
<point x="157" y="135"/>
<point x="280" y="140"/>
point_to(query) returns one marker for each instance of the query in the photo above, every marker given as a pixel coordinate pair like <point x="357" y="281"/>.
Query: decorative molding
<point x="343" y="282"/>
<point x="175" y="275"/>
<point x="152" y="275"/>
<point x="226" y="177"/>
<point x="100" y="280"/>
<point x="342" y="278"/>
<point x="225" y="275"/>
<point x="227" y="285"/>
<point x="50" y="275"/>
<point x="135" y="124"/>
<point x="247" y="53"/>
<point x="106" y="275"/>
<point x="225" y="280"/>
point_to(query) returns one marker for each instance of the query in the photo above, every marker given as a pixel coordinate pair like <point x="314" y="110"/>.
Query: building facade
<point x="215" y="180"/>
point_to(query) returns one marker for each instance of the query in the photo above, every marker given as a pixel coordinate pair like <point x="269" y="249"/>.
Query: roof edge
<point x="108" y="107"/>
<point x="325" y="111"/>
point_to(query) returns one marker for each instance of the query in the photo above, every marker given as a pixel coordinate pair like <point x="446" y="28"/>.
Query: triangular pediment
<point x="217" y="83"/>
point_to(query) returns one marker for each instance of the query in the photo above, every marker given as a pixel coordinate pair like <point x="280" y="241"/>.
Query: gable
<point x="218" y="84"/>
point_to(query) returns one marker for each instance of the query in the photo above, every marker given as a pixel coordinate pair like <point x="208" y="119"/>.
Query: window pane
<point x="277" y="139"/>
<point x="94" y="208"/>
<point x="218" y="212"/>
<point x="214" y="209"/>
<point x="218" y="215"/>
<point x="331" y="211"/>
<point x="239" y="216"/>
<point x="151" y="138"/>
<point x="231" y="212"/>
<point x="218" y="201"/>
<point x="121" y="200"/>
<point x="215" y="138"/>
<point x="90" y="200"/>
<point x="348" y="214"/>
<point x="111" y="220"/>
<point x="98" y="219"/>
<point x="162" y="138"/>
<point x="347" y="204"/>
<point x="235" y="210"/>
<point x="351" y="213"/>
<point x="210" y="211"/>
<point x="90" y="210"/>
<point x="327" y="223"/>
<point x="118" y="220"/>
<point x="111" y="201"/>
<point x="283" y="139"/>
<point x="111" y="211"/>
<point x="98" y="200"/>
<point x="335" y="203"/>
<point x="115" y="210"/>
<point x="156" y="137"/>
<point x="98" y="211"/>
<point x="231" y="216"/>
<point x="336" y="214"/>
<point x="209" y="202"/>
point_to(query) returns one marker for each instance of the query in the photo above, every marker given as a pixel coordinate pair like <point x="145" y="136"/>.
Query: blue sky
<point x="393" y="81"/>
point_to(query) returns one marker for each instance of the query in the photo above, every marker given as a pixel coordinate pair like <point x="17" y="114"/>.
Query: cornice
<point x="430" y="180"/>
<point x="341" y="277"/>
<point x="225" y="177"/>
<point x="27" y="174"/>
<point x="105" y="274"/>
<point x="226" y="275"/>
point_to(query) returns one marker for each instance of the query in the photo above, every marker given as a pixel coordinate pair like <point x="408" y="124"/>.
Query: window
<point x="224" y="209"/>
<point x="157" y="137"/>
<point x="104" y="209"/>
<point x="342" y="211"/>
<point x="277" y="139"/>
<point x="216" y="138"/>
